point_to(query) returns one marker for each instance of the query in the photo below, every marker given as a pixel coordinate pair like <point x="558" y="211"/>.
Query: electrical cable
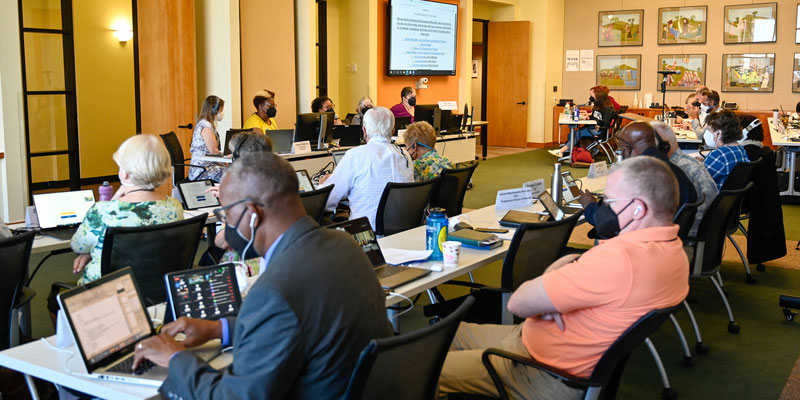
<point x="410" y="307"/>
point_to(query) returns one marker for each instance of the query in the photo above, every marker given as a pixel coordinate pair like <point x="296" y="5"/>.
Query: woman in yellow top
<point x="263" y="119"/>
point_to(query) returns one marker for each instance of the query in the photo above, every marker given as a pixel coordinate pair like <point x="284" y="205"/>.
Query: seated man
<point x="694" y="170"/>
<point x="364" y="171"/>
<point x="304" y="321"/>
<point x="582" y="304"/>
<point x="709" y="104"/>
<point x="725" y="129"/>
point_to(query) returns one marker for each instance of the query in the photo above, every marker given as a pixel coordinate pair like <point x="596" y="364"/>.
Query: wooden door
<point x="167" y="67"/>
<point x="507" y="83"/>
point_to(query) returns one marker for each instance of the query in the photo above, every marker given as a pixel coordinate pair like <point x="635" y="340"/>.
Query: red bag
<point x="579" y="154"/>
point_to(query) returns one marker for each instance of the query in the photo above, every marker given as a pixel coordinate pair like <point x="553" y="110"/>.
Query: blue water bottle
<point x="436" y="233"/>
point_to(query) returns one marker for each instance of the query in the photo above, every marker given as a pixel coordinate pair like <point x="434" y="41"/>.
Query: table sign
<point x="537" y="187"/>
<point x="513" y="198"/>
<point x="303" y="147"/>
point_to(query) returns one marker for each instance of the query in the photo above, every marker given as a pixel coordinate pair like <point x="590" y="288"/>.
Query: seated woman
<point x="597" y="89"/>
<point x="405" y="108"/>
<point x="692" y="109"/>
<point x="420" y="140"/>
<point x="602" y="112"/>
<point x="324" y="104"/>
<point x="205" y="140"/>
<point x="144" y="165"/>
<point x="725" y="129"/>
<point x="263" y="119"/>
<point x="364" y="104"/>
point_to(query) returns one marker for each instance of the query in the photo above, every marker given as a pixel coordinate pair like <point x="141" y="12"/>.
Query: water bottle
<point x="436" y="233"/>
<point x="555" y="183"/>
<point x="567" y="111"/>
<point x="577" y="114"/>
<point x="106" y="191"/>
<point x="618" y="154"/>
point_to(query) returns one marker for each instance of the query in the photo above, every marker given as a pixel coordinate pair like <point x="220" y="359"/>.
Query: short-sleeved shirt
<point x="92" y="231"/>
<point x="430" y="165"/>
<point x="603" y="292"/>
<point x="721" y="161"/>
<point x="254" y="121"/>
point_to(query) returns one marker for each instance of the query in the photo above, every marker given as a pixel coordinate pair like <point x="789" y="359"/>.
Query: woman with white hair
<point x="364" y="104"/>
<point x="144" y="165"/>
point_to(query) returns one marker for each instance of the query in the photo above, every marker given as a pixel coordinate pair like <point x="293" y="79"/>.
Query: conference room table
<point x="566" y="119"/>
<point x="783" y="138"/>
<point x="684" y="136"/>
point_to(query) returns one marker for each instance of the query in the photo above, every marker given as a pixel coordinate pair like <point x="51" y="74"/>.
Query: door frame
<point x="484" y="68"/>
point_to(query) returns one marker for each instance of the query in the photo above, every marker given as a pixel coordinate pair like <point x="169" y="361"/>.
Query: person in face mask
<point x="581" y="304"/>
<point x="420" y="140"/>
<point x="324" y="104"/>
<point x="263" y="119"/>
<point x="405" y="108"/>
<point x="724" y="126"/>
<point x="306" y="318"/>
<point x="708" y="102"/>
<point x="205" y="140"/>
<point x="364" y="105"/>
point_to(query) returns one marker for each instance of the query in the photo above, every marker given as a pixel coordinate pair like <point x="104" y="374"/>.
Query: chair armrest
<point x="563" y="376"/>
<point x="473" y="285"/>
<point x="26" y="296"/>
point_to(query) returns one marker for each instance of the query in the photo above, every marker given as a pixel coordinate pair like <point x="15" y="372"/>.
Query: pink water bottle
<point x="106" y="191"/>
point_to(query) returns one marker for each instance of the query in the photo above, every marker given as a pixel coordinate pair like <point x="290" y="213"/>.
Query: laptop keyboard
<point x="126" y="366"/>
<point x="389" y="270"/>
<point x="62" y="233"/>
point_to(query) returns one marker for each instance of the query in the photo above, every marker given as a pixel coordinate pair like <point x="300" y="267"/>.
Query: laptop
<point x="401" y="123"/>
<point x="305" y="181"/>
<point x="61" y="213"/>
<point x="281" y="140"/>
<point x="194" y="194"/>
<point x="338" y="155"/>
<point x="226" y="150"/>
<point x="348" y="135"/>
<point x="107" y="318"/>
<point x="389" y="276"/>
<point x="207" y="293"/>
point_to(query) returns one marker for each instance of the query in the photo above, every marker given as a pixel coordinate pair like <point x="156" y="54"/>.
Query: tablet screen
<point x="195" y="196"/>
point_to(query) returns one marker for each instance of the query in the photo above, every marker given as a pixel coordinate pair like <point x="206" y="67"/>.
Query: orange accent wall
<point x="441" y="87"/>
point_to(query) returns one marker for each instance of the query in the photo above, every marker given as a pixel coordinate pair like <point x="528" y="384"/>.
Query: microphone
<point x="668" y="72"/>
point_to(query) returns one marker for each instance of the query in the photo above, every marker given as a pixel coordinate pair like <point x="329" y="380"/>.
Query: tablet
<point x="207" y="293"/>
<point x="305" y="181"/>
<point x="194" y="194"/>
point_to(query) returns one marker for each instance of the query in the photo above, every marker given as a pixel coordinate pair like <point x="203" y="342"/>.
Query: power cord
<point x="410" y="307"/>
<point x="66" y="363"/>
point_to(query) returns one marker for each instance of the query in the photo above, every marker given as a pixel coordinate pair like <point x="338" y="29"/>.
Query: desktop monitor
<point x="425" y="112"/>
<point x="317" y="128"/>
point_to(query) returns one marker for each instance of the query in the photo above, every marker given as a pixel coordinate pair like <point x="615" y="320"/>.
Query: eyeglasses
<point x="222" y="216"/>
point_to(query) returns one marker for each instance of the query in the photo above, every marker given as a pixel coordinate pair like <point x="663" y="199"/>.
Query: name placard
<point x="448" y="105"/>
<point x="597" y="170"/>
<point x="303" y="147"/>
<point x="537" y="187"/>
<point x="513" y="198"/>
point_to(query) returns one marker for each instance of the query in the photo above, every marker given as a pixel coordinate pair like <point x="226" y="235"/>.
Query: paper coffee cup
<point x="451" y="250"/>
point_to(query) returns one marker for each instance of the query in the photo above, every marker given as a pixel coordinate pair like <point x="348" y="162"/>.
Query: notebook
<point x="107" y="318"/>
<point x="206" y="293"/>
<point x="516" y="218"/>
<point x="194" y="194"/>
<point x="389" y="276"/>
<point x="60" y="213"/>
<point x="305" y="181"/>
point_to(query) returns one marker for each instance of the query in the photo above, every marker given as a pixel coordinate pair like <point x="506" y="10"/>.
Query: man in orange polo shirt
<point x="582" y="304"/>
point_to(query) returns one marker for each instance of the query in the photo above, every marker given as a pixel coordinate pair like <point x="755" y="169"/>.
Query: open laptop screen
<point x="364" y="236"/>
<point x="305" y="181"/>
<point x="106" y="316"/>
<point x="62" y="208"/>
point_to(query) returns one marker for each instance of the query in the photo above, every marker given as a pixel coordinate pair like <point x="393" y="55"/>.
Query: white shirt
<point x="363" y="173"/>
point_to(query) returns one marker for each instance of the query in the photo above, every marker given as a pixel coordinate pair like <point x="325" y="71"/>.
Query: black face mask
<point x="606" y="221"/>
<point x="591" y="99"/>
<point x="412" y="101"/>
<point x="239" y="243"/>
<point x="272" y="112"/>
<point x="365" y="109"/>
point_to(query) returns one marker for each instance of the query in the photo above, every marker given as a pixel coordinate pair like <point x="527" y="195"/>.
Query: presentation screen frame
<point x="419" y="72"/>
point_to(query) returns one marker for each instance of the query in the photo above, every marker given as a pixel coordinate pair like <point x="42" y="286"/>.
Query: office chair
<point x="314" y="202"/>
<point x="741" y="174"/>
<point x="15" y="295"/>
<point x="177" y="158"/>
<point x="605" y="379"/>
<point x="607" y="131"/>
<point x="402" y="206"/>
<point x="406" y="366"/>
<point x="449" y="193"/>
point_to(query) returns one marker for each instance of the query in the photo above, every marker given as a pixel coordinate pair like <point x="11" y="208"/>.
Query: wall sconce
<point x="123" y="35"/>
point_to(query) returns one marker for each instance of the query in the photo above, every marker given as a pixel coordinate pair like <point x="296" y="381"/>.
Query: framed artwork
<point x="797" y="27"/>
<point x="620" y="72"/>
<point x="682" y="25"/>
<point x="619" y="28"/>
<point x="691" y="71"/>
<point x="748" y="72"/>
<point x="750" y="23"/>
<point x="476" y="66"/>
<point x="796" y="74"/>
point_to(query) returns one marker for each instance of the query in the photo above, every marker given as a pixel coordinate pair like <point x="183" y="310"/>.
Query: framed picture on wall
<point x="748" y="72"/>
<point x="797" y="26"/>
<point x="750" y="23"/>
<point x="620" y="72"/>
<point x="682" y="25"/>
<point x="796" y="74"/>
<point x="619" y="28"/>
<point x="691" y="70"/>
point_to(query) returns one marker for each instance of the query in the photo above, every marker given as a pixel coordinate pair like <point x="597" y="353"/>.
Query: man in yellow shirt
<point x="264" y="118"/>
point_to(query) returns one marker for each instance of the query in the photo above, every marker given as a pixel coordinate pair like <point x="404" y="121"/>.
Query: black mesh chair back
<point x="533" y="248"/>
<point x="713" y="229"/>
<point x="685" y="216"/>
<point x="315" y="200"/>
<point x="403" y="205"/>
<point x="618" y="120"/>
<point x="175" y="150"/>
<point x="741" y="174"/>
<point x="15" y="253"/>
<point x="449" y="193"/>
<point x="152" y="251"/>
<point x="406" y="366"/>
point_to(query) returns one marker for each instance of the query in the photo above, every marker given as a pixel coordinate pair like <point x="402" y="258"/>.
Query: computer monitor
<point x="348" y="135"/>
<point x="317" y="128"/>
<point x="281" y="140"/>
<point x="228" y="136"/>
<point x="425" y="112"/>
<point x="400" y="123"/>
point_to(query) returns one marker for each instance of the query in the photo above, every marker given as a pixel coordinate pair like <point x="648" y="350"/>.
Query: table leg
<point x="32" y="387"/>
<point x="484" y="140"/>
<point x="572" y="134"/>
<point x="792" y="170"/>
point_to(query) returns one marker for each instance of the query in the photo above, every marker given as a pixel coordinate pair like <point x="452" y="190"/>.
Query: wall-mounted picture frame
<point x="619" y="28"/>
<point x="748" y="72"/>
<point x="796" y="74"/>
<point x="750" y="23"/>
<point x="682" y="25"/>
<point x="691" y="70"/>
<point x="797" y="29"/>
<point x="619" y="72"/>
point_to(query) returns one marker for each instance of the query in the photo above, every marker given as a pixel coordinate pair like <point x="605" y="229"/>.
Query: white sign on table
<point x="513" y="198"/>
<point x="597" y="170"/>
<point x="573" y="57"/>
<point x="448" y="105"/>
<point x="303" y="147"/>
<point x="537" y="187"/>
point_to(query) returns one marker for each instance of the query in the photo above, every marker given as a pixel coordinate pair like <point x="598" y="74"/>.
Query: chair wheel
<point x="789" y="314"/>
<point x="700" y="348"/>
<point x="687" y="361"/>
<point x="669" y="394"/>
<point x="749" y="279"/>
<point x="761" y="267"/>
<point x="733" y="327"/>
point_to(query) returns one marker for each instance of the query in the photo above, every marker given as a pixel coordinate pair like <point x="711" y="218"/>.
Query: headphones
<point x="635" y="212"/>
<point x="753" y="125"/>
<point x="662" y="146"/>
<point x="235" y="153"/>
<point x="252" y="222"/>
<point x="215" y="107"/>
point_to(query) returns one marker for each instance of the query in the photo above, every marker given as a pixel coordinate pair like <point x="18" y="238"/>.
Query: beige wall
<point x="580" y="34"/>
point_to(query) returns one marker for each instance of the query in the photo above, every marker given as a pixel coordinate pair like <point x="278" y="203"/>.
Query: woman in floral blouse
<point x="420" y="140"/>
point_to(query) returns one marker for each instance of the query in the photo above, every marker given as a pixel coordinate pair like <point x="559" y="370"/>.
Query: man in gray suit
<point x="304" y="321"/>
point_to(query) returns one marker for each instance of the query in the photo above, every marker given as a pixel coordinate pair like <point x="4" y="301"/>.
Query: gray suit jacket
<point x="301" y="327"/>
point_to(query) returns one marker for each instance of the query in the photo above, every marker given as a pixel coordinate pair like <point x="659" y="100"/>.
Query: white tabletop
<point x="565" y="119"/>
<point x="782" y="138"/>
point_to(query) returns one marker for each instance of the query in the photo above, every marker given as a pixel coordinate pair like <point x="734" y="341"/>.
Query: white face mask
<point x="709" y="140"/>
<point x="704" y="108"/>
<point x="221" y="115"/>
